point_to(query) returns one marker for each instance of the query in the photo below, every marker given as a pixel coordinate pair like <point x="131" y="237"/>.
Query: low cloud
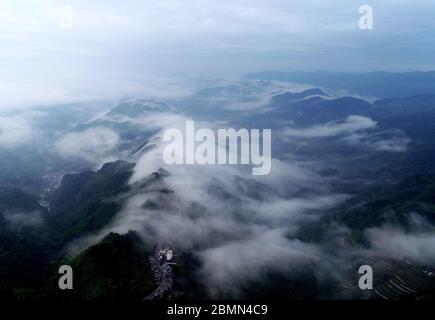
<point x="251" y="95"/>
<point x="246" y="259"/>
<point x="18" y="220"/>
<point x="66" y="87"/>
<point x="355" y="130"/>
<point x="223" y="211"/>
<point x="388" y="141"/>
<point x="95" y="145"/>
<point x="395" y="243"/>
<point x="352" y="124"/>
<point x="15" y="131"/>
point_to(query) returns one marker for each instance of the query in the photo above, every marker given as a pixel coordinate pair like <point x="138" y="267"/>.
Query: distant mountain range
<point x="372" y="84"/>
<point x="345" y="141"/>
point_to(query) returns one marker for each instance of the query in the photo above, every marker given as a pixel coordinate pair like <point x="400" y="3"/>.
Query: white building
<point x="169" y="255"/>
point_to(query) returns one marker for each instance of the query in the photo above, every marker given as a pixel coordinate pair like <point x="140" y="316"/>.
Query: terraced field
<point x="411" y="283"/>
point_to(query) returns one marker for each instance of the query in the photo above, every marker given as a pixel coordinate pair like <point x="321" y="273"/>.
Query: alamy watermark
<point x="366" y="280"/>
<point x="66" y="280"/>
<point x="65" y="17"/>
<point x="366" y="21"/>
<point x="231" y="147"/>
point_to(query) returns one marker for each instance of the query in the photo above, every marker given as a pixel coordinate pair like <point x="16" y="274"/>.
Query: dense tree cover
<point x="392" y="204"/>
<point x="83" y="204"/>
<point x="116" y="268"/>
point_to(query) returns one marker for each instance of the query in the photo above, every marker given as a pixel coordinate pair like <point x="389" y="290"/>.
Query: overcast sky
<point x="117" y="44"/>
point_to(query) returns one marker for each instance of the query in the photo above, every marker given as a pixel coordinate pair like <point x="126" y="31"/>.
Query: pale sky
<point x="120" y="44"/>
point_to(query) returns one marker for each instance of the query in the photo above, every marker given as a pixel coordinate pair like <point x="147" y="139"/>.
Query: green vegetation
<point x="392" y="205"/>
<point x="84" y="203"/>
<point x="114" y="269"/>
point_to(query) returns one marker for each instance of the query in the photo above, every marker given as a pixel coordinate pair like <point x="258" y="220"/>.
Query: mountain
<point x="315" y="109"/>
<point x="85" y="202"/>
<point x="307" y="108"/>
<point x="24" y="241"/>
<point x="383" y="188"/>
<point x="393" y="205"/>
<point x="32" y="235"/>
<point x="15" y="198"/>
<point x="373" y="84"/>
<point x="115" y="269"/>
<point x="406" y="105"/>
<point x="285" y="98"/>
<point x="136" y="107"/>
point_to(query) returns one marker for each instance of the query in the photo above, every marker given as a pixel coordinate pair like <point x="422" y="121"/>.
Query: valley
<point x="346" y="175"/>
